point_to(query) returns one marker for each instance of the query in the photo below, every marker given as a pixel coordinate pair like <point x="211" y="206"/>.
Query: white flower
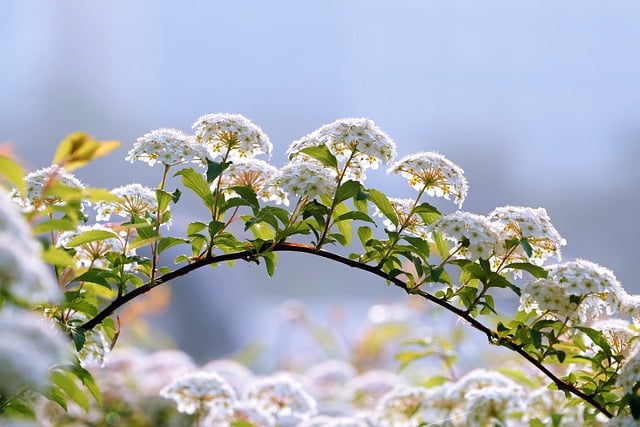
<point x="306" y="179"/>
<point x="618" y="333"/>
<point x="490" y="404"/>
<point x="198" y="391"/>
<point x="23" y="274"/>
<point x="404" y="406"/>
<point x="231" y="136"/>
<point x="29" y="347"/>
<point x="327" y="379"/>
<point x="39" y="181"/>
<point x="135" y="199"/>
<point x="280" y="396"/>
<point x="595" y="286"/>
<point x="478" y="236"/>
<point x="532" y="225"/>
<point x="236" y="374"/>
<point x="255" y="174"/>
<point x="630" y="373"/>
<point x="95" y="350"/>
<point x="357" y="144"/>
<point x="622" y="421"/>
<point x="367" y="388"/>
<point x="167" y="146"/>
<point x="433" y="173"/>
<point x="241" y="412"/>
<point x="328" y="421"/>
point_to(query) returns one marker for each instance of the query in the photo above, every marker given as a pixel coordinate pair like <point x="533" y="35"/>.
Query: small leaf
<point x="78" y="336"/>
<point x="13" y="173"/>
<point x="270" y="261"/>
<point x="527" y="247"/>
<point x="347" y="190"/>
<point x="78" y="148"/>
<point x="196" y="183"/>
<point x="90" y="236"/>
<point x="384" y="205"/>
<point x="67" y="383"/>
<point x="355" y="215"/>
<point x="536" y="271"/>
<point x="58" y="256"/>
<point x="164" y="199"/>
<point x="322" y="154"/>
<point x="597" y="337"/>
<point x="365" y="234"/>
<point x="214" y="169"/>
<point x="168" y="242"/>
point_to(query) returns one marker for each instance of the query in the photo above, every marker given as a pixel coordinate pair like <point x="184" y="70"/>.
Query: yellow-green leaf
<point x="79" y="148"/>
<point x="57" y="256"/>
<point x="13" y="173"/>
<point x="90" y="236"/>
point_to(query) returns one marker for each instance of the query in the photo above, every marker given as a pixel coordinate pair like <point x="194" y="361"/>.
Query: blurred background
<point x="539" y="102"/>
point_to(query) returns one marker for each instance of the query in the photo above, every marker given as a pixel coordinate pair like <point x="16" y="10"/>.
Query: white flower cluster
<point x="37" y="182"/>
<point x="135" y="200"/>
<point x="594" y="288"/>
<point x="306" y="180"/>
<point x="532" y="225"/>
<point x="413" y="223"/>
<point x="433" y="173"/>
<point x="357" y="143"/>
<point x="478" y="236"/>
<point x="200" y="391"/>
<point x="630" y="374"/>
<point x="256" y="174"/>
<point x="231" y="137"/>
<point x="264" y="401"/>
<point x="169" y="147"/>
<point x="93" y="254"/>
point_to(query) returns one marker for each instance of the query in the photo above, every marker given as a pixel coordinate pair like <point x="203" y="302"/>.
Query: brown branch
<point x="303" y="248"/>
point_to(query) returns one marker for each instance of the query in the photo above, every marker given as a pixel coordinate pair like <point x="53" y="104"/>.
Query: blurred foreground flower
<point x="29" y="348"/>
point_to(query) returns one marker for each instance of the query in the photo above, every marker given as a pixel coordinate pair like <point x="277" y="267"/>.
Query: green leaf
<point x="421" y="245"/>
<point x="248" y="196"/>
<point x="68" y="384"/>
<point x="427" y="212"/>
<point x="168" y="242"/>
<point x="87" y="380"/>
<point x="270" y="261"/>
<point x="13" y="173"/>
<point x="347" y="190"/>
<point x="536" y="271"/>
<point x="527" y="247"/>
<point x="196" y="183"/>
<point x="90" y="236"/>
<point x="634" y="405"/>
<point x="99" y="277"/>
<point x="365" y="234"/>
<point x="57" y="256"/>
<point x="78" y="148"/>
<point x="78" y="336"/>
<point x="384" y="205"/>
<point x="262" y="231"/>
<point x="164" y="199"/>
<point x="441" y="245"/>
<point x="597" y="337"/>
<point x="214" y="169"/>
<point x="355" y="215"/>
<point x="322" y="154"/>
<point x="55" y="224"/>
